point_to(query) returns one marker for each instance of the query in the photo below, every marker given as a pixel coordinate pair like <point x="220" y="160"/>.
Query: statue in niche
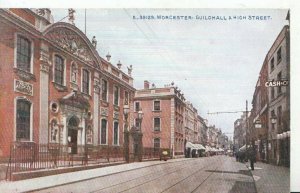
<point x="74" y="71"/>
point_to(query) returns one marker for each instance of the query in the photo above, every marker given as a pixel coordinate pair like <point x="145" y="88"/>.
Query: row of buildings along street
<point x="267" y="124"/>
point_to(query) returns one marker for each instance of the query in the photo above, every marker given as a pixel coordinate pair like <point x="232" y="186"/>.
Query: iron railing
<point x="29" y="156"/>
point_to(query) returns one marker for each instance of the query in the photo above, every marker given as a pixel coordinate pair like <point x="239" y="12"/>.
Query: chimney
<point x="146" y="84"/>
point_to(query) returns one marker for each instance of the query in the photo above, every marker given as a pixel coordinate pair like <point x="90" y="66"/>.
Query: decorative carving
<point x="74" y="72"/>
<point x="23" y="87"/>
<point x="116" y="115"/>
<point x="24" y="75"/>
<point x="59" y="87"/>
<point x="94" y="41"/>
<point x="74" y="86"/>
<point x="44" y="67"/>
<point x="129" y="70"/>
<point x="116" y="108"/>
<point x="104" y="111"/>
<point x="71" y="42"/>
<point x="97" y="86"/>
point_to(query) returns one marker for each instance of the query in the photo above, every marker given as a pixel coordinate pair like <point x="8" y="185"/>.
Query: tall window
<point x="156" y="144"/>
<point x="89" y="135"/>
<point x="279" y="55"/>
<point x="156" y="124"/>
<point x="272" y="64"/>
<point x="156" y="105"/>
<point x="85" y="81"/>
<point x="116" y="133"/>
<point x="23" y="120"/>
<point x="103" y="131"/>
<point x="59" y="70"/>
<point x="137" y="106"/>
<point x="116" y="95"/>
<point x="104" y="90"/>
<point x="278" y="79"/>
<point x="23" y="53"/>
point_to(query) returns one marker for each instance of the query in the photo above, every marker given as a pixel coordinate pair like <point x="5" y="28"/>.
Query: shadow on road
<point x="243" y="172"/>
<point x="243" y="187"/>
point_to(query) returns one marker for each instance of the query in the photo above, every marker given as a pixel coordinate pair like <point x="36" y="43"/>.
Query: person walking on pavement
<point x="252" y="157"/>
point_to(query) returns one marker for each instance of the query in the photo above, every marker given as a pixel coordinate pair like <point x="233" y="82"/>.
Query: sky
<point x="215" y="63"/>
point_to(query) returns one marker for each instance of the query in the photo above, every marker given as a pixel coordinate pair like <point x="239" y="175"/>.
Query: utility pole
<point x="85" y="21"/>
<point x="247" y="125"/>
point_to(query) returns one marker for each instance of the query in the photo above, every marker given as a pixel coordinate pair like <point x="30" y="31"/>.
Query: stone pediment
<point x="72" y="40"/>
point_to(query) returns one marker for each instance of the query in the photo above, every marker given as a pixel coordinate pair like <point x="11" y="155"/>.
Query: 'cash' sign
<point x="277" y="83"/>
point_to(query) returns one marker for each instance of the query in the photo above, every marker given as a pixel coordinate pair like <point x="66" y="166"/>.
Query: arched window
<point x="23" y="53"/>
<point x="89" y="135"/>
<point x="23" y="120"/>
<point x="116" y="133"/>
<point x="54" y="131"/>
<point x="103" y="132"/>
<point x="59" y="70"/>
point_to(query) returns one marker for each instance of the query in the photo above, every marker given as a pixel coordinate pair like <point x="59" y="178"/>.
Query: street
<point x="207" y="174"/>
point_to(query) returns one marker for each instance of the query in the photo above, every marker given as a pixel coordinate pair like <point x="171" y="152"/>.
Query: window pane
<point x="156" y="124"/>
<point x="103" y="131"/>
<point x="156" y="144"/>
<point x="116" y="133"/>
<point x="116" y="95"/>
<point x="85" y="81"/>
<point x="104" y="90"/>
<point x="59" y="70"/>
<point x="23" y="120"/>
<point x="23" y="53"/>
<point x="156" y="105"/>
<point x="137" y="106"/>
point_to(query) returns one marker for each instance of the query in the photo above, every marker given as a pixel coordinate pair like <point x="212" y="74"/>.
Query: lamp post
<point x="140" y="118"/>
<point x="273" y="122"/>
<point x="126" y="133"/>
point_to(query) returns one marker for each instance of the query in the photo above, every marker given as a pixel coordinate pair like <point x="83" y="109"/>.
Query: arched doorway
<point x="73" y="134"/>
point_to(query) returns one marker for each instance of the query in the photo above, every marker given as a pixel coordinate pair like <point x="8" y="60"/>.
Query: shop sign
<point x="277" y="83"/>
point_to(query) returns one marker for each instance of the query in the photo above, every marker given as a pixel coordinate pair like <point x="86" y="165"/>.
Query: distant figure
<point x="237" y="156"/>
<point x="252" y="157"/>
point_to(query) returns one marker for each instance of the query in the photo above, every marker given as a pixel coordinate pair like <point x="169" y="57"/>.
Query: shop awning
<point x="194" y="146"/>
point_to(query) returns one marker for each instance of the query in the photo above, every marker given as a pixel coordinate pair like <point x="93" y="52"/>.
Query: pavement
<point x="270" y="178"/>
<point x="203" y="175"/>
<point x="35" y="184"/>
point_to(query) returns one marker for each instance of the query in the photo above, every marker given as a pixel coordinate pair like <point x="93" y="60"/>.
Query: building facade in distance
<point x="163" y="120"/>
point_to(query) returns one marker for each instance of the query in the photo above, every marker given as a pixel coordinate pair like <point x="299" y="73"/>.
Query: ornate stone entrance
<point x="73" y="134"/>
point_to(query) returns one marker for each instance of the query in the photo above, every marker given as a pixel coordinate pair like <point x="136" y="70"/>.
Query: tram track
<point x="158" y="175"/>
<point x="174" y="164"/>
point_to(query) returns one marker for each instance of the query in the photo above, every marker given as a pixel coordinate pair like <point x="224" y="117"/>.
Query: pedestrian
<point x="237" y="156"/>
<point x="252" y="157"/>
